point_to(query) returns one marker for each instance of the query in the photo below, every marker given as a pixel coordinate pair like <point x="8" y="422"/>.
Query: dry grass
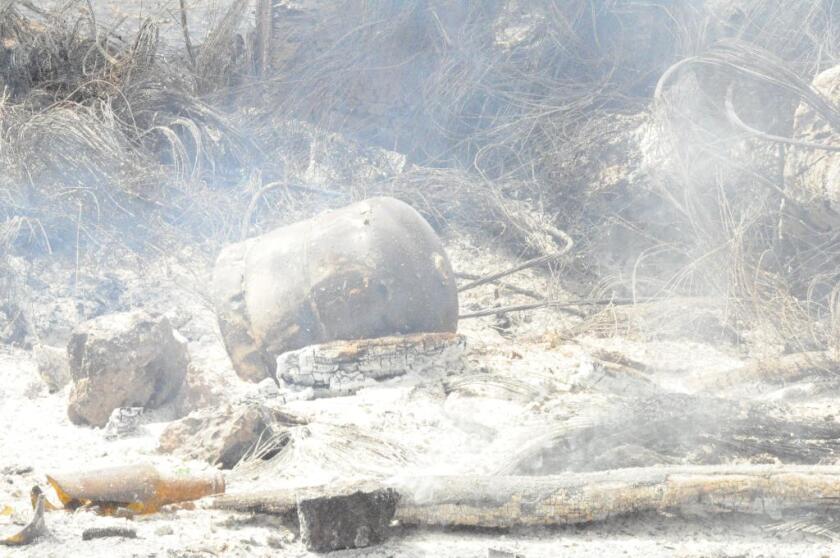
<point x="99" y="135"/>
<point x="725" y="180"/>
<point x="516" y="124"/>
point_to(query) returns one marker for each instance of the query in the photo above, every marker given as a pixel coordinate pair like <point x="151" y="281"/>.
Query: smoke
<point x="675" y="141"/>
<point x="504" y="118"/>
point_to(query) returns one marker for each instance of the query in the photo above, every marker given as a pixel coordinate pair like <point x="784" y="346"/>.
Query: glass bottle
<point x="140" y="488"/>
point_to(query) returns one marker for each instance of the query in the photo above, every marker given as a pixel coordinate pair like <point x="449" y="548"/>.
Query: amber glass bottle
<point x="139" y="488"/>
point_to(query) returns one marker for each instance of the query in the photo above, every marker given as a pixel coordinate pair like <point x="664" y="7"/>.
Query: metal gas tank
<point x="371" y="269"/>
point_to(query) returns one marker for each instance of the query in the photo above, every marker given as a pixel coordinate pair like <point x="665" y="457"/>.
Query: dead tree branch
<point x="186" y="30"/>
<point x="515" y="269"/>
<point x="515" y="501"/>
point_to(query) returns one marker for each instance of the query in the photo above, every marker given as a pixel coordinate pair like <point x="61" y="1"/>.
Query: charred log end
<point x="346" y="519"/>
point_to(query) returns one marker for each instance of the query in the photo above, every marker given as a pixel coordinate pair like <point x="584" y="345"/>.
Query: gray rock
<point x="352" y="517"/>
<point x="203" y="387"/>
<point x="53" y="366"/>
<point x="130" y="359"/>
<point x="17" y="470"/>
<point x="275" y="542"/>
<point x="124" y="422"/>
<point x="164" y="531"/>
<point x="223" y="436"/>
<point x="813" y="175"/>
<point x="15" y="329"/>
<point x="268" y="389"/>
<point x="92" y="533"/>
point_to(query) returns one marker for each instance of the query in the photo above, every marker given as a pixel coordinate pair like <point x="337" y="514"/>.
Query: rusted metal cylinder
<point x="371" y="269"/>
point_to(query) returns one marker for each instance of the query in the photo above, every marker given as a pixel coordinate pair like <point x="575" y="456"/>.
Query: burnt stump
<point x="353" y="517"/>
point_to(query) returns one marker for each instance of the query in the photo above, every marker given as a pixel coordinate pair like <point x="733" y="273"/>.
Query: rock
<point x="53" y="366"/>
<point x="14" y="326"/>
<point x="130" y="359"/>
<point x="34" y="390"/>
<point x="202" y="389"/>
<point x="497" y="553"/>
<point x="105" y="532"/>
<point x="16" y="470"/>
<point x="275" y="542"/>
<point x="224" y="436"/>
<point x="54" y="316"/>
<point x="813" y="176"/>
<point x="352" y="517"/>
<point x="371" y="269"/>
<point x="343" y="367"/>
<point x="164" y="531"/>
<point x="268" y="389"/>
<point x="124" y="422"/>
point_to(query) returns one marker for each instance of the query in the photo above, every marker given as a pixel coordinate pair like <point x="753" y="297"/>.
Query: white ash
<point x="343" y="368"/>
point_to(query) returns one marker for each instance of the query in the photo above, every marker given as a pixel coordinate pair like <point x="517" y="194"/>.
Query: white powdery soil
<point x="403" y="426"/>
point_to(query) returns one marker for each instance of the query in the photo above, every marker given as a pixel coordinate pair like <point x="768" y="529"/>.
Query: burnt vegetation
<point x="611" y="121"/>
<point x="667" y="164"/>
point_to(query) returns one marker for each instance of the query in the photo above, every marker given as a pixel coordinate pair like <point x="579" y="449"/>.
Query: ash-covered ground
<point x="526" y="375"/>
